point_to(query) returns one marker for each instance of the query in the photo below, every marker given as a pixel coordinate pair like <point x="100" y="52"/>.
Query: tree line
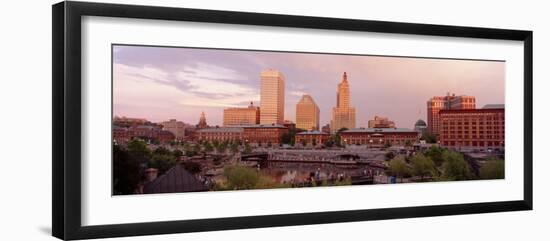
<point x="438" y="164"/>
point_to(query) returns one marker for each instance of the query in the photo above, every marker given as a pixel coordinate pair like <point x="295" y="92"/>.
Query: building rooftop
<point x="222" y="129"/>
<point x="420" y="122"/>
<point x="312" y="133"/>
<point x="239" y="128"/>
<point x="263" y="126"/>
<point x="177" y="179"/>
<point x="380" y="130"/>
<point x="115" y="127"/>
<point x="483" y="110"/>
<point x="493" y="106"/>
<point x="145" y="127"/>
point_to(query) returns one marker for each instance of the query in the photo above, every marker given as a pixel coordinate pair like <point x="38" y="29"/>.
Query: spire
<point x="345" y="78"/>
<point x="202" y="121"/>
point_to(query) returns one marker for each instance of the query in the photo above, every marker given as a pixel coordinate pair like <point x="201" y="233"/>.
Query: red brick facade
<point x="122" y="135"/>
<point x="449" y="102"/>
<point x="472" y="128"/>
<point x="255" y="134"/>
<point x="379" y="137"/>
<point x="311" y="138"/>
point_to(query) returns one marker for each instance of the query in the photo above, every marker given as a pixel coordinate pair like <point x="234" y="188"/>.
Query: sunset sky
<point x="161" y="83"/>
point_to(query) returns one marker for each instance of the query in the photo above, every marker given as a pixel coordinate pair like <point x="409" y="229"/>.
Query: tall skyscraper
<point x="307" y="114"/>
<point x="241" y="116"/>
<point x="272" y="97"/>
<point x="448" y="102"/>
<point x="343" y="115"/>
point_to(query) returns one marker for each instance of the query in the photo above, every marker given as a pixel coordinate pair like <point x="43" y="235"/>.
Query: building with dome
<point x="421" y="127"/>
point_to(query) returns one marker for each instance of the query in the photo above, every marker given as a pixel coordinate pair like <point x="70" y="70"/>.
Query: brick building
<point x="473" y="127"/>
<point x="122" y="135"/>
<point x="253" y="134"/>
<point x="220" y="134"/>
<point x="378" y="137"/>
<point x="448" y="102"/>
<point x="311" y="138"/>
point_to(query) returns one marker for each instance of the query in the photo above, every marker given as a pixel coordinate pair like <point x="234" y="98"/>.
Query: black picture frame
<point x="66" y="128"/>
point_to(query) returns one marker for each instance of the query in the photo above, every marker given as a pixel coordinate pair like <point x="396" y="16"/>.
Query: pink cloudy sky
<point x="160" y="83"/>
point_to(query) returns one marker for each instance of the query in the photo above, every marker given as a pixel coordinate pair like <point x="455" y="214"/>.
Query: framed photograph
<point x="169" y="120"/>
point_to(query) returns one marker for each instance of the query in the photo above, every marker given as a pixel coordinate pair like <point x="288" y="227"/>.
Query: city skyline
<point x="179" y="83"/>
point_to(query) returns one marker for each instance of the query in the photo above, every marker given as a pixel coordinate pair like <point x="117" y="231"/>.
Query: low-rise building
<point x="220" y="134"/>
<point x="262" y="135"/>
<point x="122" y="135"/>
<point x="176" y="127"/>
<point x="326" y="128"/>
<point x="127" y="121"/>
<point x="289" y="124"/>
<point x="164" y="136"/>
<point x="311" y="138"/>
<point x="472" y="127"/>
<point x="378" y="137"/>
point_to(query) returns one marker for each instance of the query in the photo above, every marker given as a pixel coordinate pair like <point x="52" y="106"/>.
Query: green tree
<point x="240" y="177"/>
<point x="222" y="147"/>
<point x="336" y="138"/>
<point x="215" y="144"/>
<point x="177" y="153"/>
<point x="191" y="150"/>
<point x="387" y="145"/>
<point x="429" y="137"/>
<point x="422" y="166"/>
<point x="162" y="162"/>
<point x="126" y="172"/>
<point x="455" y="168"/>
<point x="192" y="167"/>
<point x="137" y="148"/>
<point x="161" y="151"/>
<point x="330" y="142"/>
<point x="286" y="138"/>
<point x="247" y="148"/>
<point x="436" y="154"/>
<point x="208" y="147"/>
<point x="398" y="167"/>
<point x="389" y="155"/>
<point x="234" y="147"/>
<point x="492" y="169"/>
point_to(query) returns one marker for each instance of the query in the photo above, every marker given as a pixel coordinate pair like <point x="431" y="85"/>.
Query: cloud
<point x="297" y="93"/>
<point x="204" y="85"/>
<point x="206" y="82"/>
